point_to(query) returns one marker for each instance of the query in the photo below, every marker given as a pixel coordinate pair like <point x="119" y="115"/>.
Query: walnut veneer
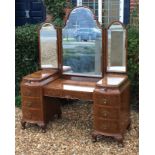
<point x="111" y="107"/>
<point x="36" y="107"/>
<point x="102" y="81"/>
<point x="41" y="90"/>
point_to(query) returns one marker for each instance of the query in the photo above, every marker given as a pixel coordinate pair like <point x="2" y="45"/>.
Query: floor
<point x="71" y="135"/>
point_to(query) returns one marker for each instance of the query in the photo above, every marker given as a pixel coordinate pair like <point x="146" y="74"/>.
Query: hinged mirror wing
<point x="82" y="44"/>
<point x="116" y="48"/>
<point x="48" y="46"/>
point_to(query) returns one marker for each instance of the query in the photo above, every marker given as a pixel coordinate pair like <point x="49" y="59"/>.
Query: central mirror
<point x="82" y="44"/>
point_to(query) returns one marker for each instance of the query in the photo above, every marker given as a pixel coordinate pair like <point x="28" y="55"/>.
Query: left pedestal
<point x="32" y="106"/>
<point x="36" y="108"/>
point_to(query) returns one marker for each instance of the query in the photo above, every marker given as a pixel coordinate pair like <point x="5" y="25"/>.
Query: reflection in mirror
<point x="82" y="44"/>
<point x="116" y="48"/>
<point x="48" y="46"/>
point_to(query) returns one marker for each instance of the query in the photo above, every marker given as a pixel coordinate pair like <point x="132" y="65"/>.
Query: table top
<point x="111" y="80"/>
<point x="40" y="75"/>
<point x="64" y="84"/>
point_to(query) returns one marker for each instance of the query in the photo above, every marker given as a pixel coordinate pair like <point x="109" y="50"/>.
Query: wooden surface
<point x="40" y="75"/>
<point x="111" y="111"/>
<point x="35" y="107"/>
<point x="40" y="92"/>
<point x="70" y="89"/>
<point x="112" y="80"/>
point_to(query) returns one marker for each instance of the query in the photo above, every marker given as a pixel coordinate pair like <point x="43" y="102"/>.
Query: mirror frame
<point x="102" y="51"/>
<point x="57" y="45"/>
<point x="126" y="52"/>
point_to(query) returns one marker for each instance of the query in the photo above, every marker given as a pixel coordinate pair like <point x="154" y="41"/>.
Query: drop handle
<point x="104" y="101"/>
<point x="27" y="13"/>
<point x="105" y="113"/>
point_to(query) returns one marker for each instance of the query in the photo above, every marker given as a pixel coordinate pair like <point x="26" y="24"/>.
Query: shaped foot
<point x="94" y="137"/>
<point x="23" y="123"/>
<point x="59" y="115"/>
<point x="43" y="128"/>
<point x="119" y="139"/>
<point x="129" y="126"/>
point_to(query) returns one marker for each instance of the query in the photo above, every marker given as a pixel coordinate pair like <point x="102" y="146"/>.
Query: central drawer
<point x="31" y="102"/>
<point x="77" y="95"/>
<point x="105" y="112"/>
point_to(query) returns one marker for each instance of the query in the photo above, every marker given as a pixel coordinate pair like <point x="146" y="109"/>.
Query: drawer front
<point x="77" y="95"/>
<point x="106" y="113"/>
<point x="53" y="92"/>
<point x="107" y="126"/>
<point x="33" y="115"/>
<point x="107" y="100"/>
<point x="31" y="91"/>
<point x="31" y="102"/>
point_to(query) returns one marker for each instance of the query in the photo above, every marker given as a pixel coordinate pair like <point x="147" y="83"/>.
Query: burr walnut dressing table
<point x="81" y="61"/>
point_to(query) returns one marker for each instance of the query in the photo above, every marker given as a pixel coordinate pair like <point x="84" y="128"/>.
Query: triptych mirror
<point x="81" y="48"/>
<point x="48" y="46"/>
<point x="116" y="48"/>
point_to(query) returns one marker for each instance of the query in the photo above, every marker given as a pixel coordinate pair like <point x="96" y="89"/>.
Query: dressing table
<point x="81" y="61"/>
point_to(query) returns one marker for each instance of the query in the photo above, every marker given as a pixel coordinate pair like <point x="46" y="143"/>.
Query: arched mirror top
<point x="82" y="44"/>
<point x="48" y="29"/>
<point x="116" y="49"/>
<point x="48" y="46"/>
<point x="84" y="15"/>
<point x="117" y="25"/>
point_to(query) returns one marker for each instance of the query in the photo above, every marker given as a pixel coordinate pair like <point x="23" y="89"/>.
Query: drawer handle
<point x="104" y="101"/>
<point x="104" y="126"/>
<point x="105" y="113"/>
<point x="29" y="104"/>
<point x="67" y="97"/>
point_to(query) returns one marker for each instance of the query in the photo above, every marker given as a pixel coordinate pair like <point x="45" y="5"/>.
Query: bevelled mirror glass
<point x="82" y="44"/>
<point x="116" y="51"/>
<point x="48" y="46"/>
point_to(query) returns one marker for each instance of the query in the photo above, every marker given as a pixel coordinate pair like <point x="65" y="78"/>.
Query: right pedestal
<point x="111" y="110"/>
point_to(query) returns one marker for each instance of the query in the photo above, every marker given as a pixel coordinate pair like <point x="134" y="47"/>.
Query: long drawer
<point x="107" y="100"/>
<point x="105" y="112"/>
<point x="33" y="115"/>
<point x="107" y="126"/>
<point x="31" y="102"/>
<point x="31" y="91"/>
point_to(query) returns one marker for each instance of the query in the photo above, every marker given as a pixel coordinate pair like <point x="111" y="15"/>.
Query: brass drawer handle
<point x="29" y="104"/>
<point x="104" y="101"/>
<point x="105" y="113"/>
<point x="105" y="126"/>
